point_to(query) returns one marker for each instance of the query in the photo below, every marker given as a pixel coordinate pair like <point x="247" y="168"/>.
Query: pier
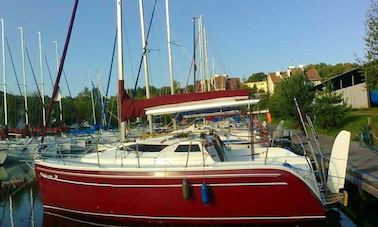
<point x="362" y="169"/>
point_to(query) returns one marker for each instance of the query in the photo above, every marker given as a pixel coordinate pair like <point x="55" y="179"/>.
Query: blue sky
<point x="244" y="36"/>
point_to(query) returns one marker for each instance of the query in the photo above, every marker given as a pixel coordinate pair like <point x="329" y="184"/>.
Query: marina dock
<point x="362" y="169"/>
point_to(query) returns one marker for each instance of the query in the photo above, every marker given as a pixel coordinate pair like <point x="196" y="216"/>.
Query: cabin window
<point x="146" y="147"/>
<point x="185" y="148"/>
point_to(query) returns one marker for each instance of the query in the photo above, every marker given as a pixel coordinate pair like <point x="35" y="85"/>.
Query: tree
<point x="256" y="77"/>
<point x="330" y="109"/>
<point x="371" y="35"/>
<point x="327" y="71"/>
<point x="371" y="71"/>
<point x="371" y="41"/>
<point x="282" y="101"/>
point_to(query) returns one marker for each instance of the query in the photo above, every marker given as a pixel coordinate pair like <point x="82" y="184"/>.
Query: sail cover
<point x="131" y="108"/>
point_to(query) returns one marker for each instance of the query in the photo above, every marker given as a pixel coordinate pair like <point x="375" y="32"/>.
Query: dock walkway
<point x="362" y="169"/>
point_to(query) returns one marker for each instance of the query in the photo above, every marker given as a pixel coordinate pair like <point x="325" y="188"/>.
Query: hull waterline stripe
<point x="165" y="176"/>
<point x="165" y="185"/>
<point x="187" y="218"/>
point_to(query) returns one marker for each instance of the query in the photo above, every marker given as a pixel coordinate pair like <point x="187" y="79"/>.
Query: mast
<point x="93" y="106"/>
<point x="207" y="71"/>
<point x="170" y="55"/>
<point x="145" y="60"/>
<point x="100" y="89"/>
<point x="24" y="77"/>
<point x="59" y="94"/>
<point x="200" y="45"/>
<point x="122" y="125"/>
<point x="42" y="80"/>
<point x="169" y="47"/>
<point x="4" y="73"/>
<point x="214" y="72"/>
<point x="194" y="54"/>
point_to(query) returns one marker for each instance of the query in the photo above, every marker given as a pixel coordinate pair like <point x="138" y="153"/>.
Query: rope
<point x="14" y="68"/>
<point x="52" y="84"/>
<point x="32" y="70"/>
<point x="68" y="87"/>
<point x="48" y="69"/>
<point x="190" y="70"/>
<point x="56" y="86"/>
<point x="108" y="85"/>
<point x="144" y="49"/>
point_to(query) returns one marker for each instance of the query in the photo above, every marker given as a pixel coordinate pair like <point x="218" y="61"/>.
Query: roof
<point x="283" y="74"/>
<point x="296" y="71"/>
<point x="272" y="74"/>
<point x="312" y="75"/>
<point x="275" y="79"/>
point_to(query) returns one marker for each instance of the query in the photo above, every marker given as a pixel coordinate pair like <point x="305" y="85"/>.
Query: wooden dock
<point x="362" y="169"/>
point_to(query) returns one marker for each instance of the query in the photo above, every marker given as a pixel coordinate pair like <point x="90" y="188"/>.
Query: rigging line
<point x="55" y="91"/>
<point x="110" y="115"/>
<point x="190" y="70"/>
<point x="130" y="58"/>
<point x="52" y="84"/>
<point x="144" y="49"/>
<point x="32" y="70"/>
<point x="68" y="87"/>
<point x="109" y="77"/>
<point x="14" y="68"/>
<point x="48" y="69"/>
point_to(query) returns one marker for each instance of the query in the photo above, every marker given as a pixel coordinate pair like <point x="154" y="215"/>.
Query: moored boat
<point x="184" y="180"/>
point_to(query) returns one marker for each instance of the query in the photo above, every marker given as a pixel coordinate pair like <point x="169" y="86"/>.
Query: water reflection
<point x="19" y="198"/>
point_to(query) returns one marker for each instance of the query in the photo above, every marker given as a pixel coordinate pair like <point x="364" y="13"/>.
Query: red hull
<point x="236" y="196"/>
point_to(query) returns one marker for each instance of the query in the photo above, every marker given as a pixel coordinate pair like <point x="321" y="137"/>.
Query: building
<point x="219" y="83"/>
<point x="259" y="85"/>
<point x="351" y="85"/>
<point x="274" y="78"/>
<point x="313" y="76"/>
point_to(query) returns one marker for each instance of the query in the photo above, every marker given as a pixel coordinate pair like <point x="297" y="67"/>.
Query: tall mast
<point x="93" y="106"/>
<point x="169" y="47"/>
<point x="59" y="94"/>
<point x="145" y="59"/>
<point x="200" y="44"/>
<point x="42" y="80"/>
<point x="207" y="71"/>
<point x="194" y="54"/>
<point x="4" y="73"/>
<point x="24" y="76"/>
<point x="101" y="91"/>
<point x="122" y="125"/>
<point x="214" y="72"/>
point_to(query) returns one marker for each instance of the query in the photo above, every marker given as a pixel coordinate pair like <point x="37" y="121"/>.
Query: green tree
<point x="327" y="71"/>
<point x="260" y="76"/>
<point x="330" y="110"/>
<point x="371" y="34"/>
<point x="371" y="71"/>
<point x="371" y="41"/>
<point x="282" y="101"/>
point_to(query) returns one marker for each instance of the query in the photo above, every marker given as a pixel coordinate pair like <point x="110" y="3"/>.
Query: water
<point x="20" y="204"/>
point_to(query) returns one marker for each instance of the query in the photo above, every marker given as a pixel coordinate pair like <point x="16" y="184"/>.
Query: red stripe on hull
<point x="250" y="196"/>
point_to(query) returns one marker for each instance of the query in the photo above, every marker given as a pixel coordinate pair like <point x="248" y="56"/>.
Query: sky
<point x="244" y="37"/>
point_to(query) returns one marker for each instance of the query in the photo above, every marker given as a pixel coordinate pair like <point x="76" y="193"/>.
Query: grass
<point x="355" y="121"/>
